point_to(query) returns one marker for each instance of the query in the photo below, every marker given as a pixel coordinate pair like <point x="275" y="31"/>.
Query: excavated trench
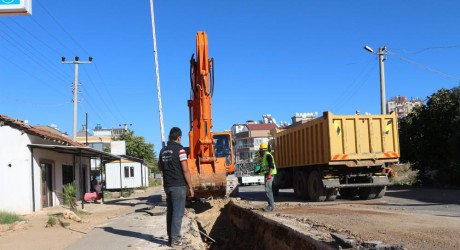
<point x="236" y="224"/>
<point x="226" y="225"/>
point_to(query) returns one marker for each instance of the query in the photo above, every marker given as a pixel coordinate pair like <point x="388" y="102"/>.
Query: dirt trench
<point x="232" y="225"/>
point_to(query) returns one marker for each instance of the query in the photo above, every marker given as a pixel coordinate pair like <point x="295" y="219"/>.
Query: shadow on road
<point x="145" y="200"/>
<point x="147" y="237"/>
<point x="432" y="196"/>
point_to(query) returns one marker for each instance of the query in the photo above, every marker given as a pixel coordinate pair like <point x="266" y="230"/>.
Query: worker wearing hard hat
<point x="268" y="169"/>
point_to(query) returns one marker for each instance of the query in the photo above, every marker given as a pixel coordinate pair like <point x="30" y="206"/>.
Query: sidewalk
<point x="34" y="234"/>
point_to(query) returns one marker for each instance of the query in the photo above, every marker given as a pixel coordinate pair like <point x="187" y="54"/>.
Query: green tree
<point x="430" y="137"/>
<point x="136" y="146"/>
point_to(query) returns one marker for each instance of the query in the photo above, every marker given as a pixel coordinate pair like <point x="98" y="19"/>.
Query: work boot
<point x="268" y="209"/>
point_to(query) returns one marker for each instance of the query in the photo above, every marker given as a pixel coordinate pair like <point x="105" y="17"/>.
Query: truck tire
<point x="348" y="193"/>
<point x="300" y="185"/>
<point x="380" y="192"/>
<point x="316" y="189"/>
<point x="331" y="194"/>
<point x="367" y="193"/>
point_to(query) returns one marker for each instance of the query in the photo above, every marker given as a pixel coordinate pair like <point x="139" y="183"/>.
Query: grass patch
<point x="82" y="213"/>
<point x="111" y="195"/>
<point x="8" y="218"/>
<point x="52" y="221"/>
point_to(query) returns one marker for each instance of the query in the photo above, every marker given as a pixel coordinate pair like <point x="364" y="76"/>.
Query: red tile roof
<point x="47" y="135"/>
<point x="264" y="126"/>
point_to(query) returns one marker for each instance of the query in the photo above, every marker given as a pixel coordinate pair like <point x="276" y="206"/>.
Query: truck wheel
<point x="331" y="194"/>
<point x="316" y="189"/>
<point x="367" y="193"/>
<point x="300" y="185"/>
<point x="348" y="193"/>
<point x="380" y="192"/>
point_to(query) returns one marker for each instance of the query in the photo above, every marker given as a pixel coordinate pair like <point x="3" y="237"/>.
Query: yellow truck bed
<point x="351" y="140"/>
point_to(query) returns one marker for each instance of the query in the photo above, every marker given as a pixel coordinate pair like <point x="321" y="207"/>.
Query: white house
<point x="130" y="172"/>
<point x="36" y="163"/>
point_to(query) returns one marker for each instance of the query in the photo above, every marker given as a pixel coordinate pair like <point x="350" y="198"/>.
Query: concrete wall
<point x="16" y="171"/>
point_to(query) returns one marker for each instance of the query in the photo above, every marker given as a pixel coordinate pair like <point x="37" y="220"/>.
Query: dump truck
<point x="336" y="153"/>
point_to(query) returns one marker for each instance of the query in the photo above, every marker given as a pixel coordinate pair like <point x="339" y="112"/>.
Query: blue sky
<point x="271" y="57"/>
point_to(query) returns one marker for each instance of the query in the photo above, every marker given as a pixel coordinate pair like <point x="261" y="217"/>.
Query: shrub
<point x="8" y="218"/>
<point x="51" y="221"/>
<point x="69" y="195"/>
<point x="404" y="175"/>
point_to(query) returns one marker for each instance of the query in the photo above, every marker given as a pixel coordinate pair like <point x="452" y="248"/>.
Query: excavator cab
<point x="223" y="149"/>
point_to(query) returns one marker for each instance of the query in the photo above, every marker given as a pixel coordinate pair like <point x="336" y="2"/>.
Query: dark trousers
<point x="175" y="200"/>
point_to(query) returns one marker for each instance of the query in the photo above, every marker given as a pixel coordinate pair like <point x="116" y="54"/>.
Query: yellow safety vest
<point x="265" y="167"/>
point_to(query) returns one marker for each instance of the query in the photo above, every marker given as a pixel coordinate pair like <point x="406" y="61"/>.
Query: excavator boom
<point x="208" y="172"/>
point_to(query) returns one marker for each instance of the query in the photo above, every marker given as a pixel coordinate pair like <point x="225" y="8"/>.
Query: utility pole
<point x="75" y="90"/>
<point x="381" y="53"/>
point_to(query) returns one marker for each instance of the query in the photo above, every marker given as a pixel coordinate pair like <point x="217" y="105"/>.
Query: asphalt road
<point x="440" y="202"/>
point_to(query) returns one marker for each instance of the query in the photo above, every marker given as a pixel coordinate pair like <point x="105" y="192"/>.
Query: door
<point x="46" y="185"/>
<point x="67" y="174"/>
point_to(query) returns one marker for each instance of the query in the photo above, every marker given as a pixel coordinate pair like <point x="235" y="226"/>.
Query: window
<point x="129" y="172"/>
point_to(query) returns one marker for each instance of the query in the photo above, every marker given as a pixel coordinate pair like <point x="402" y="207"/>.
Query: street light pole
<point x="381" y="53"/>
<point x="157" y="74"/>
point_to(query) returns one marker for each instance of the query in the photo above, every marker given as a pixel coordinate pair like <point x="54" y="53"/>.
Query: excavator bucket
<point x="208" y="179"/>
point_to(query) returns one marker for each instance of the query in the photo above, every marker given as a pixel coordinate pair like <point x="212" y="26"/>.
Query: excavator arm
<point x="208" y="172"/>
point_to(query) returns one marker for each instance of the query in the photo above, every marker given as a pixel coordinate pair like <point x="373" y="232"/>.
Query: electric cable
<point x="424" y="67"/>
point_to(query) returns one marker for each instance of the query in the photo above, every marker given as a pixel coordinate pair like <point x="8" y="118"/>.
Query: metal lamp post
<point x="381" y="53"/>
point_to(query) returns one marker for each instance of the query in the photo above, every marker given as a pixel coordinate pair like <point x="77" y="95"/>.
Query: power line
<point x="62" y="28"/>
<point x="99" y="94"/>
<point x="424" y="67"/>
<point x="34" y="76"/>
<point x="84" y="102"/>
<point x="84" y="50"/>
<point x="35" y="52"/>
<point x="117" y="109"/>
<point x="28" y="102"/>
<point x="421" y="50"/>
<point x="356" y="84"/>
<point x="38" y="39"/>
<point x="30" y="55"/>
<point x="51" y="35"/>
